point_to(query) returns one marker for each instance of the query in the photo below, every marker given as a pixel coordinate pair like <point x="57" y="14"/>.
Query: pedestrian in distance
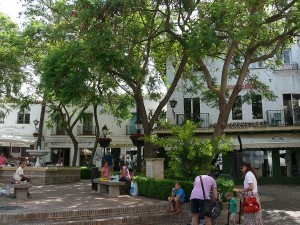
<point x="177" y="198"/>
<point x="250" y="189"/>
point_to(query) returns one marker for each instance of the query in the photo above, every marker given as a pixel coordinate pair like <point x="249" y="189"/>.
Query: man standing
<point x="19" y="174"/>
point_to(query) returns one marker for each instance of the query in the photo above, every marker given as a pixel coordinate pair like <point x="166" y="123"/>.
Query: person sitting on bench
<point x="124" y="172"/>
<point x="19" y="175"/>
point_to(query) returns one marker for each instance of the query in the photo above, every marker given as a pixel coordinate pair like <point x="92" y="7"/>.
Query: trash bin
<point x="94" y="174"/>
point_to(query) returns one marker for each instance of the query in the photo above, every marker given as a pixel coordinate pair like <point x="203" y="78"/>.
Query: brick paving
<point x="280" y="203"/>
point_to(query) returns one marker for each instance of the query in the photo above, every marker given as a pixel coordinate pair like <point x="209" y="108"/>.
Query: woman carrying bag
<point x="250" y="191"/>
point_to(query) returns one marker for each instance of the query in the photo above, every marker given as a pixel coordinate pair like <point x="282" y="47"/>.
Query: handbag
<point x="250" y="204"/>
<point x="208" y="205"/>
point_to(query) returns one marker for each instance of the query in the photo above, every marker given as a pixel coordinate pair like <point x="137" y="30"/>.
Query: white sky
<point x="11" y="8"/>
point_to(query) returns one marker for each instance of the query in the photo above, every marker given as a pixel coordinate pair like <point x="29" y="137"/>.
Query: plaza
<point x="77" y="204"/>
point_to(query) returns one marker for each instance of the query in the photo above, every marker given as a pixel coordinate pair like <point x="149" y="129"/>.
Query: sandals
<point x="170" y="210"/>
<point x="178" y="211"/>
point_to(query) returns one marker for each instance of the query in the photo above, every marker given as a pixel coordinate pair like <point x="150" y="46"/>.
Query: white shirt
<point x="18" y="173"/>
<point x="250" y="179"/>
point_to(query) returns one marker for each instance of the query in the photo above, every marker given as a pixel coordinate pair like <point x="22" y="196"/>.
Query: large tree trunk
<point x="41" y="125"/>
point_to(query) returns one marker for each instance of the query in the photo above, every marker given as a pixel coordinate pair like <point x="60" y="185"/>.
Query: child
<point x="231" y="207"/>
<point x="177" y="197"/>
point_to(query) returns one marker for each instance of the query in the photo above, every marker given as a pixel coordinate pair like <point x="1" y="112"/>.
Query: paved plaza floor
<point x="280" y="203"/>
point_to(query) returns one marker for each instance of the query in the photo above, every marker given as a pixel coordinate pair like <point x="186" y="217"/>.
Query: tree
<point x="189" y="155"/>
<point x="237" y="33"/>
<point x="12" y="60"/>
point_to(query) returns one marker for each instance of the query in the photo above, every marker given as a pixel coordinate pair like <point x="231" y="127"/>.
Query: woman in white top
<point x="250" y="187"/>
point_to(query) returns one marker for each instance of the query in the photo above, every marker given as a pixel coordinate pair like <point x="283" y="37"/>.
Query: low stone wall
<point x="43" y="175"/>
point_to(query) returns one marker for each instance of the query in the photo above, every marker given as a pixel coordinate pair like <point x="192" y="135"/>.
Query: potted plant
<point x="137" y="139"/>
<point x="104" y="142"/>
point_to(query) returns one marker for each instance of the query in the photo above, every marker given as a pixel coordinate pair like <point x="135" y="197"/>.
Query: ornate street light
<point x="36" y="123"/>
<point x="104" y="130"/>
<point x="173" y="104"/>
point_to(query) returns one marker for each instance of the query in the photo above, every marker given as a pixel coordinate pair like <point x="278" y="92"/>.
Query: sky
<point x="11" y="8"/>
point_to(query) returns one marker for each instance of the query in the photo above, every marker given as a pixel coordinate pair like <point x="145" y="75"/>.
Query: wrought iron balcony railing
<point x="202" y="119"/>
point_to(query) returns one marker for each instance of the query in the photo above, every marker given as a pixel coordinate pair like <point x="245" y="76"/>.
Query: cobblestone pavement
<point x="280" y="203"/>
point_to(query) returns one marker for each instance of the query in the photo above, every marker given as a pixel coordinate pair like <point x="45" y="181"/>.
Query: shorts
<point x="197" y="206"/>
<point x="232" y="217"/>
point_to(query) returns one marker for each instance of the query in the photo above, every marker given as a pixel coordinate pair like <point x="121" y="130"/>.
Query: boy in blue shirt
<point x="231" y="207"/>
<point x="177" y="197"/>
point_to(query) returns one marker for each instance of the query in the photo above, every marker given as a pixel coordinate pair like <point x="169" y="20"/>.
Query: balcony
<point x="275" y="118"/>
<point x="57" y="131"/>
<point x="130" y="129"/>
<point x="86" y="130"/>
<point x="288" y="66"/>
<point x="202" y="119"/>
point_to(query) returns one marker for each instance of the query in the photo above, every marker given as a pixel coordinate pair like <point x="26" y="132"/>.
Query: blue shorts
<point x="197" y="206"/>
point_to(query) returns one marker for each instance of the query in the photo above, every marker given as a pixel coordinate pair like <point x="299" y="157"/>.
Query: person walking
<point x="202" y="184"/>
<point x="250" y="189"/>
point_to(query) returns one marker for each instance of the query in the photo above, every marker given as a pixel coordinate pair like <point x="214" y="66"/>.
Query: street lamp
<point x="36" y="122"/>
<point x="104" y="130"/>
<point x="173" y="104"/>
<point x="138" y="126"/>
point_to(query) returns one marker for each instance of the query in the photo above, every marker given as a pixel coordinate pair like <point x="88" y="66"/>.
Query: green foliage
<point x="85" y="173"/>
<point x="188" y="155"/>
<point x="161" y="188"/>
<point x="12" y="60"/>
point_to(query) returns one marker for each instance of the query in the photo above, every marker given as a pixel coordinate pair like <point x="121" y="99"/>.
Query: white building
<point x="17" y="128"/>
<point x="269" y="131"/>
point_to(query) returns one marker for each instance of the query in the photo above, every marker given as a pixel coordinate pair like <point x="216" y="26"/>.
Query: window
<point x="237" y="113"/>
<point x="256" y="107"/>
<point x="23" y="117"/>
<point x="60" y="130"/>
<point x="192" y="108"/>
<point x="286" y="56"/>
<point x="88" y="123"/>
<point x="2" y="116"/>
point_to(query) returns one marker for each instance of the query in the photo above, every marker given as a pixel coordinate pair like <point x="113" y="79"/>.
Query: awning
<point x="16" y="141"/>
<point x="284" y="140"/>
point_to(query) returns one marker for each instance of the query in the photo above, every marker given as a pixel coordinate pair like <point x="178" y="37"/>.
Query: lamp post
<point x="173" y="104"/>
<point x="138" y="126"/>
<point x="36" y="122"/>
<point x="104" y="132"/>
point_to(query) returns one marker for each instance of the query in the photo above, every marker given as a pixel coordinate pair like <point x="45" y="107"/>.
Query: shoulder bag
<point x="208" y="205"/>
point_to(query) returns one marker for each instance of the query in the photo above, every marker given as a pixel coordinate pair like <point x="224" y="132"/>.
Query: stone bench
<point x="21" y="190"/>
<point x="113" y="187"/>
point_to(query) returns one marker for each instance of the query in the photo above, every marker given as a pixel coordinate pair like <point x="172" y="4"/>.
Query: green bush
<point x="161" y="188"/>
<point x="85" y="173"/>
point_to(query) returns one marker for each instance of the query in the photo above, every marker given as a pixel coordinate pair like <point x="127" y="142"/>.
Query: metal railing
<point x="86" y="130"/>
<point x="57" y="131"/>
<point x="275" y="118"/>
<point x="288" y="66"/>
<point x="202" y="119"/>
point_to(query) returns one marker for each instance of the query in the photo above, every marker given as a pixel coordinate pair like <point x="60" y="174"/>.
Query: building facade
<point x="265" y="133"/>
<point x="18" y="133"/>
